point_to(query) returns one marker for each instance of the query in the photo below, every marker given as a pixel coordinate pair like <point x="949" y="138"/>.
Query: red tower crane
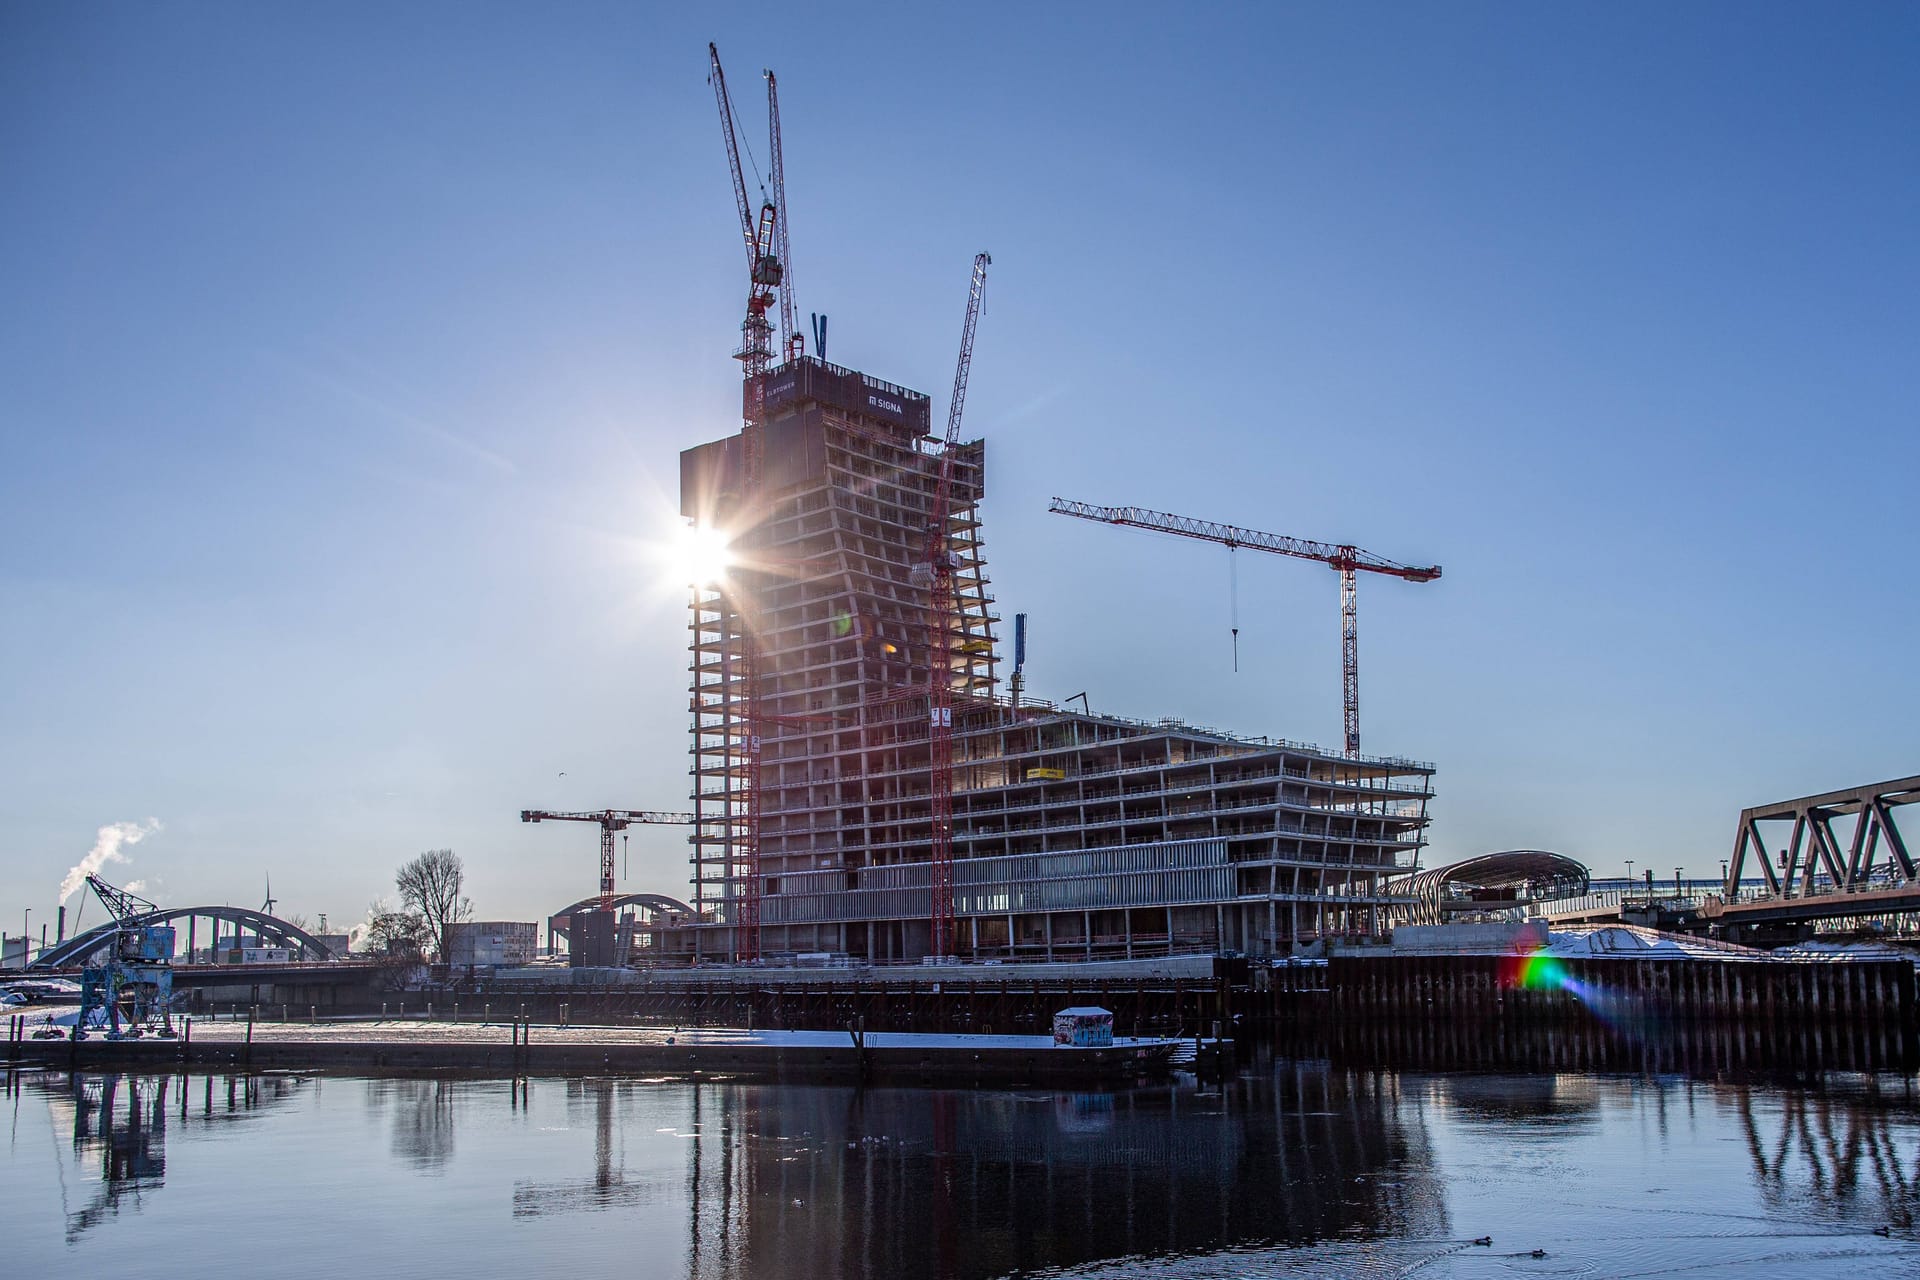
<point x="940" y="635"/>
<point x="610" y="821"/>
<point x="1346" y="559"/>
<point x="765" y="239"/>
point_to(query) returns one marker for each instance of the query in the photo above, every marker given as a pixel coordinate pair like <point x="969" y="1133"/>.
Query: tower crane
<point x="610" y="821"/>
<point x="1346" y="559"/>
<point x="765" y="271"/>
<point x="765" y="241"/>
<point x="940" y="634"/>
<point x="793" y="343"/>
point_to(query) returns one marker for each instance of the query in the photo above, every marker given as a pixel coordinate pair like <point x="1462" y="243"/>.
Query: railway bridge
<point x="1837" y="857"/>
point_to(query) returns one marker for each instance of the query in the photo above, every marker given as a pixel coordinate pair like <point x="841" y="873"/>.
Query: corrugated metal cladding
<point x="1174" y="873"/>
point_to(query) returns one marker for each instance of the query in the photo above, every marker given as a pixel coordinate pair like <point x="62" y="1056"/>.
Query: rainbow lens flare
<point x="1538" y="972"/>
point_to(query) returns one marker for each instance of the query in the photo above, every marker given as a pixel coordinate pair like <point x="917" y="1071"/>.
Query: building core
<point x="1075" y="835"/>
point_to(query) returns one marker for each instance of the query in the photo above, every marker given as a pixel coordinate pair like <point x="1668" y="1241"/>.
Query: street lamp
<point x="1629" y="873"/>
<point x="26" y="939"/>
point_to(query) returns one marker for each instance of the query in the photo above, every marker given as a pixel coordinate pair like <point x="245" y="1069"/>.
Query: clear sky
<point x="348" y="351"/>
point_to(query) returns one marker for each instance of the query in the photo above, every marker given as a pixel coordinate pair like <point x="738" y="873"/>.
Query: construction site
<point x="888" y="831"/>
<point x="870" y="782"/>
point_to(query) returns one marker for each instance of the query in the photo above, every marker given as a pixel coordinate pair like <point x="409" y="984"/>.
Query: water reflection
<point x="1308" y="1167"/>
<point x="1565" y="1104"/>
<point x="611" y="1185"/>
<point x="422" y="1117"/>
<point x="1814" y="1156"/>
<point x="829" y="1181"/>
<point x="118" y="1127"/>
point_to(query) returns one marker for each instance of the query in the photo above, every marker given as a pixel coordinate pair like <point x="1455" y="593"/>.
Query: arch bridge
<point x="76" y="949"/>
<point x="655" y="903"/>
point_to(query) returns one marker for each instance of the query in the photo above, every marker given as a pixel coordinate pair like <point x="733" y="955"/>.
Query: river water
<point x="1290" y="1169"/>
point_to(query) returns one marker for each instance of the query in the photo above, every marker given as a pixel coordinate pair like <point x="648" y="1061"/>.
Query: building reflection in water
<point x="788" y="1181"/>
<point x="421" y="1115"/>
<point x="887" y="1182"/>
<point x="119" y="1127"/>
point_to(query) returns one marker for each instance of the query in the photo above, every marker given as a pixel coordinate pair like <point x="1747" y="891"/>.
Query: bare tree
<point x="398" y="935"/>
<point x="431" y="885"/>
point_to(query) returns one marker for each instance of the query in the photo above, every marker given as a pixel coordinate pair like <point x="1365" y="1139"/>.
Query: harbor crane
<point x="1346" y="559"/>
<point x="610" y="821"/>
<point x="128" y="984"/>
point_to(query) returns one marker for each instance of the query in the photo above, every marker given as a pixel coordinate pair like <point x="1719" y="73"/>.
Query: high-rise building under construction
<point x="1073" y="835"/>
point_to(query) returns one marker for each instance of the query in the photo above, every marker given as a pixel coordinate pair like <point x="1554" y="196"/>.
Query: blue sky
<point x="349" y="351"/>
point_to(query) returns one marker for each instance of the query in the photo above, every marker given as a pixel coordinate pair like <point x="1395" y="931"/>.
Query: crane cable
<point x="1233" y="600"/>
<point x="746" y="146"/>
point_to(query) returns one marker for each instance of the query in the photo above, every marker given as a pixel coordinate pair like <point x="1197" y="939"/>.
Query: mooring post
<point x="249" y="1052"/>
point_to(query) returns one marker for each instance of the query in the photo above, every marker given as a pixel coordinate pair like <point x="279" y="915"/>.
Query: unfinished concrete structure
<point x="1075" y="835"/>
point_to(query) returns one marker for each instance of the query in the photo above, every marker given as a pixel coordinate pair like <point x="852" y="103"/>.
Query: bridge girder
<point x="1813" y="847"/>
<point x="81" y="945"/>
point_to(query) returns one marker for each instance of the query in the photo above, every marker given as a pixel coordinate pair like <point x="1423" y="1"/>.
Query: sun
<point x="702" y="554"/>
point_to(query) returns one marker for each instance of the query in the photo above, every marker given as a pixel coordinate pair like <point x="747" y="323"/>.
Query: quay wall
<point x="1548" y="989"/>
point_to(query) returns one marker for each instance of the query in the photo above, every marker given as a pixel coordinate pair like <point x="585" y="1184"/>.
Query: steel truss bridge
<point x="270" y="930"/>
<point x="1835" y="856"/>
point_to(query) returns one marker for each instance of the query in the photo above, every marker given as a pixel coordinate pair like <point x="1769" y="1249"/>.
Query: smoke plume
<point x="112" y="838"/>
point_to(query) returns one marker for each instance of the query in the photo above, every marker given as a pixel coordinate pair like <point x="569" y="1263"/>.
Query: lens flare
<point x="703" y="554"/>
<point x="1540" y="971"/>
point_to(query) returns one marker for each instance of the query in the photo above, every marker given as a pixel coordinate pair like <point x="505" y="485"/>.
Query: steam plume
<point x="106" y="848"/>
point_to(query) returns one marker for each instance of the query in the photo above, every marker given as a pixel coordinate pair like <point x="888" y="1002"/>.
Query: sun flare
<point x="702" y="554"/>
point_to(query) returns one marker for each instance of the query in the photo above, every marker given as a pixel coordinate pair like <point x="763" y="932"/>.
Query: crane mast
<point x="792" y="342"/>
<point x="765" y="240"/>
<point x="940" y="634"/>
<point x="1344" y="558"/>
